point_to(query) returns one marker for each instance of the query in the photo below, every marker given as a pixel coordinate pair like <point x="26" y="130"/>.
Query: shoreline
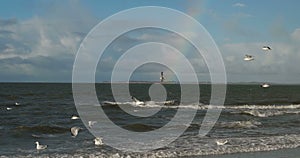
<point x="281" y="153"/>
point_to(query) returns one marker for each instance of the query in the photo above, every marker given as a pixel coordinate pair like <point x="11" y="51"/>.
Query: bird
<point x="136" y="101"/>
<point x="265" y="85"/>
<point x="98" y="141"/>
<point x="75" y="131"/>
<point x="74" y="117"/>
<point x="16" y="103"/>
<point x="39" y="146"/>
<point x="221" y="142"/>
<point x="91" y="123"/>
<point x="8" y="108"/>
<point x="266" y="48"/>
<point x="248" y="57"/>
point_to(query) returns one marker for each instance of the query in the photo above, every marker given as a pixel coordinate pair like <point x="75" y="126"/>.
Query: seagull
<point x="98" y="141"/>
<point x="248" y="57"/>
<point x="91" y="123"/>
<point x="221" y="142"/>
<point x="8" y="108"/>
<point x="74" y="117"/>
<point x="40" y="147"/>
<point x="16" y="103"/>
<point x="266" y="48"/>
<point x="75" y="130"/>
<point x="265" y="85"/>
<point x="137" y="102"/>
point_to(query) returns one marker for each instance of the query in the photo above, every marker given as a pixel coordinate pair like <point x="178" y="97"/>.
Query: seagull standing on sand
<point x="75" y="130"/>
<point x="98" y="141"/>
<point x="39" y="146"/>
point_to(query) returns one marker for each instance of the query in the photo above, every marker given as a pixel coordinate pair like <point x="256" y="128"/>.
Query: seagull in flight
<point x="248" y="57"/>
<point x="266" y="48"/>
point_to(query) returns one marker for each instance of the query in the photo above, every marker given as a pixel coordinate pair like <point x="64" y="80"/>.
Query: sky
<point x="39" y="39"/>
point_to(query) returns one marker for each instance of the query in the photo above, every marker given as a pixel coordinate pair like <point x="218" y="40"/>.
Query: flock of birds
<point x="98" y="141"/>
<point x="74" y="132"/>
<point x="248" y="57"/>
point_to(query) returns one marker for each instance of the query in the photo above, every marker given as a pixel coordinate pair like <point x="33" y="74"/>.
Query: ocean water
<point x="253" y="119"/>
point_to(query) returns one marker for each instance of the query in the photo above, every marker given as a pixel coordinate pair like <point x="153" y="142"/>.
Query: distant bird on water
<point x="98" y="141"/>
<point x="221" y="142"/>
<point x="75" y="131"/>
<point x="39" y="146"/>
<point x="265" y="85"/>
<point x="74" y="117"/>
<point x="91" y="123"/>
<point x="16" y="103"/>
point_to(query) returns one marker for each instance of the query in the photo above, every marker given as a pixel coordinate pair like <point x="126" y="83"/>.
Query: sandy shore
<point x="283" y="153"/>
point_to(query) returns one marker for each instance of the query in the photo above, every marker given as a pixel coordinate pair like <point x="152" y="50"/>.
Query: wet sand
<point x="282" y="153"/>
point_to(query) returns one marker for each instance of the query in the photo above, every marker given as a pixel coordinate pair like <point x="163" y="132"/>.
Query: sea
<point x="253" y="119"/>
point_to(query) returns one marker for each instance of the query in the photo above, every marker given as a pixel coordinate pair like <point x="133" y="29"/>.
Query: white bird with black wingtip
<point x="248" y="57"/>
<point x="266" y="48"/>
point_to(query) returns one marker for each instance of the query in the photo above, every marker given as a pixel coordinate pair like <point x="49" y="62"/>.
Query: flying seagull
<point x="248" y="57"/>
<point x="266" y="48"/>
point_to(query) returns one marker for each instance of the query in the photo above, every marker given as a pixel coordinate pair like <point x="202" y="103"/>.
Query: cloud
<point x="274" y="66"/>
<point x="239" y="5"/>
<point x="8" y="22"/>
<point x="42" y="48"/>
<point x="296" y="35"/>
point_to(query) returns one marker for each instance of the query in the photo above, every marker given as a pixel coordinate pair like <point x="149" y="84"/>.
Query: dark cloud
<point x="8" y="22"/>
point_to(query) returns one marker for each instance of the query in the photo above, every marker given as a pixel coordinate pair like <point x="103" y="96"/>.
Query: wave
<point x="194" y="146"/>
<point x="240" y="124"/>
<point x="146" y="103"/>
<point x="270" y="113"/>
<point x="199" y="106"/>
<point x="42" y="129"/>
<point x="140" y="127"/>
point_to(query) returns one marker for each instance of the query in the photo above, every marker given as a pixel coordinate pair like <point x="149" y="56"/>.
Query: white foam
<point x="240" y="124"/>
<point x="200" y="106"/>
<point x="270" y="113"/>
